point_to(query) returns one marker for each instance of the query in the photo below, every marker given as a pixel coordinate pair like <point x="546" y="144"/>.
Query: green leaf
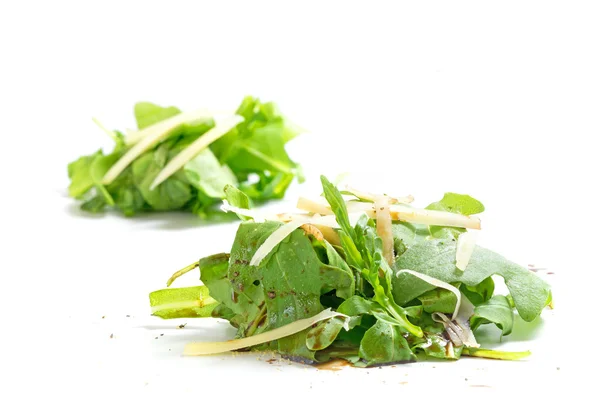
<point x="147" y="114"/>
<point x="384" y="344"/>
<point x="438" y="347"/>
<point x="269" y="186"/>
<point x="189" y="302"/>
<point x="496" y="310"/>
<point x="257" y="145"/>
<point x="94" y="205"/>
<point x="458" y="204"/>
<point x="237" y="198"/>
<point x="205" y="173"/>
<point x="479" y="293"/>
<point x="126" y="195"/>
<point x="436" y="258"/>
<point x="406" y="235"/>
<point x="439" y="300"/>
<point x="338" y="206"/>
<point x="98" y="169"/>
<point x="495" y="354"/>
<point x="324" y="334"/>
<point x="172" y="194"/>
<point x="79" y="173"/>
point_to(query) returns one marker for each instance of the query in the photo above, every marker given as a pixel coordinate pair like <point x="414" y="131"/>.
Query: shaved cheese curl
<point x="384" y="228"/>
<point x="198" y="349"/>
<point x="464" y="249"/>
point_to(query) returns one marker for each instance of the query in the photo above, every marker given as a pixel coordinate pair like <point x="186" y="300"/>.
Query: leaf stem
<point x="182" y="272"/>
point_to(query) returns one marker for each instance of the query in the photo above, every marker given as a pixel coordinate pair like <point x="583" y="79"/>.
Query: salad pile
<point x="182" y="161"/>
<point x="357" y="276"/>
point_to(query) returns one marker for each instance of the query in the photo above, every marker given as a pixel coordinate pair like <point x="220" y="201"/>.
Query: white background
<point x="496" y="99"/>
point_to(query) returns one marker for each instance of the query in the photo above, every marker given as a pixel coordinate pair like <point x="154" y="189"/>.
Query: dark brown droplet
<point x="271" y="294"/>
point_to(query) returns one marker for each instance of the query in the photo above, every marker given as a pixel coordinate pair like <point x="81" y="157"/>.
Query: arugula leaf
<point x="438" y="347"/>
<point x="436" y="259"/>
<point x="496" y="310"/>
<point x="173" y="193"/>
<point x="205" y="173"/>
<point x="79" y="173"/>
<point x="384" y="344"/>
<point x="257" y="144"/>
<point x="324" y="334"/>
<point x="438" y="300"/>
<point x="479" y="293"/>
<point x="237" y="198"/>
<point x="338" y="206"/>
<point x="147" y="114"/>
<point x="406" y="235"/>
<point x="458" y="204"/>
<point x="189" y="302"/>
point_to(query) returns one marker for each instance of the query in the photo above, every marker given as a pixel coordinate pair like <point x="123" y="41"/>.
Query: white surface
<point x="498" y="101"/>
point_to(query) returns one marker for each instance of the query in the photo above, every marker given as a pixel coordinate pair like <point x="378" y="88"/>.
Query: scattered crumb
<point x="156" y="337"/>
<point x="182" y="326"/>
<point x="111" y="336"/>
<point x="549" y="273"/>
<point x="481" y="386"/>
<point x="104" y="316"/>
<point x="127" y="316"/>
<point x="466" y="379"/>
<point x="169" y="349"/>
<point x="404" y="383"/>
<point x="558" y="368"/>
<point x="162" y="334"/>
<point x="393" y="366"/>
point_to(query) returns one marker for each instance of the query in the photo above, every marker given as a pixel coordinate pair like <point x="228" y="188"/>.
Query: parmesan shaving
<point x="275" y="238"/>
<point x="317" y="207"/>
<point x="285" y="230"/>
<point x="436" y="282"/>
<point x="198" y="349"/>
<point x="168" y="124"/>
<point x="464" y="249"/>
<point x="398" y="212"/>
<point x="384" y="228"/>
<point x="191" y="151"/>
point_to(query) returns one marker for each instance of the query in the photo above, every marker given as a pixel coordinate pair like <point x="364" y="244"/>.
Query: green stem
<point x="252" y="328"/>
<point x="182" y="271"/>
<point x="401" y="317"/>
<point x="495" y="354"/>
